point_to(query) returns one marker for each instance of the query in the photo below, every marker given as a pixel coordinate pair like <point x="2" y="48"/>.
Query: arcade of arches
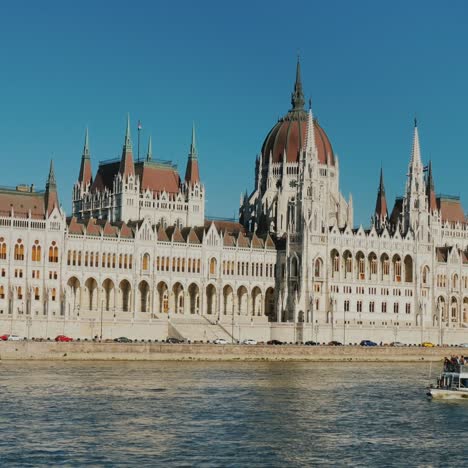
<point x="89" y="296"/>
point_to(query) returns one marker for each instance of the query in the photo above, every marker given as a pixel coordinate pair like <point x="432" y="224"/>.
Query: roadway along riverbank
<point x="95" y="351"/>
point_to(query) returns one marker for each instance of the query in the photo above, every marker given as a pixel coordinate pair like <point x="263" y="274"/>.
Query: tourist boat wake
<point x="452" y="382"/>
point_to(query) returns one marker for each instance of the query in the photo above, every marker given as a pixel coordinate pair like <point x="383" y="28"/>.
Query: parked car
<point x="63" y="338"/>
<point x="249" y="342"/>
<point x="122" y="339"/>
<point x="310" y="343"/>
<point x="334" y="343"/>
<point x="14" y="338"/>
<point x="427" y="344"/>
<point x="274" y="342"/>
<point x="397" y="344"/>
<point x="368" y="343"/>
<point x="220" y="341"/>
<point x="4" y="337"/>
<point x="463" y="345"/>
<point x="174" y="340"/>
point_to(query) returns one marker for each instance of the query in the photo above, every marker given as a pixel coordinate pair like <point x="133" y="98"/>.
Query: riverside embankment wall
<point x="95" y="351"/>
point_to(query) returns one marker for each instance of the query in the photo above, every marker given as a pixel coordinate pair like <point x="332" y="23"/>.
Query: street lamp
<point x="28" y="324"/>
<point x="102" y="311"/>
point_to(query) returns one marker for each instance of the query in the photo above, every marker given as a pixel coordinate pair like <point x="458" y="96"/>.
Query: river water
<point x="226" y="414"/>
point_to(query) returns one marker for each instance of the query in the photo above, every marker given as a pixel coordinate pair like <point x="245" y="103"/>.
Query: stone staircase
<point x="197" y="328"/>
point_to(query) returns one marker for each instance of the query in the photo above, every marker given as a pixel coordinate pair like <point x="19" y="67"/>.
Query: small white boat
<point x="452" y="383"/>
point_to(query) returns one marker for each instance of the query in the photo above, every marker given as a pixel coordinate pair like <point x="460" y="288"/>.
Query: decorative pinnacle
<point x="149" y="155"/>
<point x="51" y="179"/>
<point x="416" y="152"/>
<point x="193" y="145"/>
<point x="86" y="144"/>
<point x="297" y="97"/>
<point x="128" y="141"/>
<point x="381" y="184"/>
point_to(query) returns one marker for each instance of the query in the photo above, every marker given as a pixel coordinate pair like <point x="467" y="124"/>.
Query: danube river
<point x="226" y="414"/>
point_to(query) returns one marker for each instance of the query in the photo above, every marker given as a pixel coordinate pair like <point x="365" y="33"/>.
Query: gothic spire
<point x="430" y="190"/>
<point x="50" y="195"/>
<point x="381" y="210"/>
<point x="126" y="163"/>
<point x="149" y="154"/>
<point x="128" y="140"/>
<point x="86" y="175"/>
<point x="51" y="179"/>
<point x="297" y="96"/>
<point x="193" y="145"/>
<point x="310" y="137"/>
<point x="416" y="152"/>
<point x="192" y="172"/>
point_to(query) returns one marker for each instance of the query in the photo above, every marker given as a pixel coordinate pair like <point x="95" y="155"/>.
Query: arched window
<point x="19" y="250"/>
<point x="53" y="294"/>
<point x="455" y="281"/>
<point x="361" y="266"/>
<point x="2" y="292"/>
<point x="146" y="262"/>
<point x="53" y="253"/>
<point x="408" y="269"/>
<point x="3" y="249"/>
<point x="36" y="252"/>
<point x="318" y="268"/>
<point x="425" y="275"/>
<point x="213" y="266"/>
<point x="36" y="294"/>
<point x="397" y="269"/>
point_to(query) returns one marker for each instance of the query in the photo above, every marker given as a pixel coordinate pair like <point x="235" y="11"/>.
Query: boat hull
<point x="441" y="394"/>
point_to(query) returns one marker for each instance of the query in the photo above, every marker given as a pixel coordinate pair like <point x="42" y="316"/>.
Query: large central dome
<point x="290" y="133"/>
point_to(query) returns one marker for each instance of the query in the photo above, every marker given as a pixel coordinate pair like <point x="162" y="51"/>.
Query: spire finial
<point x="297" y="97"/>
<point x="51" y="179"/>
<point x="310" y="137"/>
<point x="416" y="153"/>
<point x="128" y="141"/>
<point x="193" y="145"/>
<point x="149" y="155"/>
<point x="86" y="144"/>
<point x="415" y="122"/>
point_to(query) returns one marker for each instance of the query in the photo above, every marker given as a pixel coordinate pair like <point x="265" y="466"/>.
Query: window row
<point x="371" y="307"/>
<point x="36" y="251"/>
<point x="95" y="259"/>
<point x="230" y="267"/>
<point x="35" y="293"/>
<point x="177" y="264"/>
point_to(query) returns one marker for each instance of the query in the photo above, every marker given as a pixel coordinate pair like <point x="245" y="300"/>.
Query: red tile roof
<point x="451" y="209"/>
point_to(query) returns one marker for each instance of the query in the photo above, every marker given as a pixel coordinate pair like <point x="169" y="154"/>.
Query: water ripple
<point x="226" y="414"/>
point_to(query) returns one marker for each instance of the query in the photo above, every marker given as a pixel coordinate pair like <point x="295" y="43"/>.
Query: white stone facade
<point x="145" y="263"/>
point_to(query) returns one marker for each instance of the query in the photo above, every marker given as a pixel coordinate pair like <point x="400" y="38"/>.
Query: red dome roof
<point x="290" y="134"/>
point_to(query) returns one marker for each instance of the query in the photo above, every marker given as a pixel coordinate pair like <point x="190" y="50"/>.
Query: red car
<point x="4" y="337"/>
<point x="63" y="338"/>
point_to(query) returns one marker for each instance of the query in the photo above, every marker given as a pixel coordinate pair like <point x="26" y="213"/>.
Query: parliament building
<point x="137" y="256"/>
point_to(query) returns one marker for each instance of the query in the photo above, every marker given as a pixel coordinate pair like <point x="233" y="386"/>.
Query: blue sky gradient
<point x="368" y="66"/>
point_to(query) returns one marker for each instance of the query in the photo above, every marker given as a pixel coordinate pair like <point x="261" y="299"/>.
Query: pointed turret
<point x="415" y="194"/>
<point x="381" y="209"/>
<point x="149" y="154"/>
<point x="86" y="175"/>
<point x="192" y="173"/>
<point x="310" y="137"/>
<point x="297" y="97"/>
<point x="416" y="152"/>
<point x="126" y="163"/>
<point x="430" y="190"/>
<point x="50" y="195"/>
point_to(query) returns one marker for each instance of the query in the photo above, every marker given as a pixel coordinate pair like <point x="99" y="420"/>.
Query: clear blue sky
<point x="368" y="66"/>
